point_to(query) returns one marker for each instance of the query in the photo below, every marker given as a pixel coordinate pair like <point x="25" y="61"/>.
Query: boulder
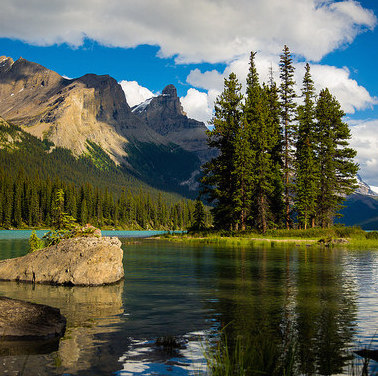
<point x="77" y="261"/>
<point x="21" y="320"/>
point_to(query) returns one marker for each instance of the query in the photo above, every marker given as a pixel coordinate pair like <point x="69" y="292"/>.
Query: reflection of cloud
<point x="145" y="357"/>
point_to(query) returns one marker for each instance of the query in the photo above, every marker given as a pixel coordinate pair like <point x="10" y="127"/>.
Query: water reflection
<point x="291" y="296"/>
<point x="320" y="303"/>
<point x="92" y="314"/>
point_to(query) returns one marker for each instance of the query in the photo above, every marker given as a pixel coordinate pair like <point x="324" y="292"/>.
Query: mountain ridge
<point x="92" y="109"/>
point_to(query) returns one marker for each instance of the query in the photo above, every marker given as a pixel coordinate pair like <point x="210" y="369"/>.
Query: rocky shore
<point x="87" y="261"/>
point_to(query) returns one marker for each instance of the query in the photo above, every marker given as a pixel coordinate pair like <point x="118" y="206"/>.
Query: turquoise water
<point x="25" y="234"/>
<point x="327" y="301"/>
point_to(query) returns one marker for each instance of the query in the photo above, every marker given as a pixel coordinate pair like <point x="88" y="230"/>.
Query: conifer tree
<point x="287" y="96"/>
<point x="242" y="174"/>
<point x="218" y="181"/>
<point x="276" y="199"/>
<point x="307" y="173"/>
<point x="199" y="216"/>
<point x="335" y="158"/>
<point x="256" y="111"/>
<point x="17" y="202"/>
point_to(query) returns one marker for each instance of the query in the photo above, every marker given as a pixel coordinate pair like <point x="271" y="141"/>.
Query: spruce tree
<point x="218" y="180"/>
<point x="335" y="158"/>
<point x="258" y="128"/>
<point x="307" y="173"/>
<point x="199" y="216"/>
<point x="287" y="96"/>
<point x="243" y="170"/>
<point x="276" y="199"/>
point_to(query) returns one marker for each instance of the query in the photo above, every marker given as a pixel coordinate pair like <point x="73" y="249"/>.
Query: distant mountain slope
<point x="20" y="151"/>
<point x="90" y="114"/>
<point x="361" y="208"/>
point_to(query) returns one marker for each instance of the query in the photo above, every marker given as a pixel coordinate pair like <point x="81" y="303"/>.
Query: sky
<point x="148" y="44"/>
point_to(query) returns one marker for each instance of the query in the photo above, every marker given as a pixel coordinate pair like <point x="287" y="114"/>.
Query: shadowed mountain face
<point x="92" y="110"/>
<point x="165" y="115"/>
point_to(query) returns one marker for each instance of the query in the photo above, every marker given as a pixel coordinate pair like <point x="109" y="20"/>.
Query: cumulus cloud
<point x="197" y="105"/>
<point x="135" y="93"/>
<point x="364" y="140"/>
<point x="192" y="31"/>
<point x="351" y="96"/>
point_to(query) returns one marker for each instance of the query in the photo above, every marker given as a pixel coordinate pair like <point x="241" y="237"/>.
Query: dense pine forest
<point x="95" y="190"/>
<point x="283" y="160"/>
<point x="29" y="202"/>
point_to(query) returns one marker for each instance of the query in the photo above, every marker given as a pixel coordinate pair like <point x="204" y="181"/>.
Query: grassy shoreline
<point x="346" y="237"/>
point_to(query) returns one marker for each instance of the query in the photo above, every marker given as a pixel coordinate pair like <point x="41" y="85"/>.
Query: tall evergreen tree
<point x="256" y="111"/>
<point x="307" y="173"/>
<point x="276" y="199"/>
<point x="243" y="169"/>
<point x="218" y="180"/>
<point x="199" y="216"/>
<point x="287" y="96"/>
<point x="337" y="168"/>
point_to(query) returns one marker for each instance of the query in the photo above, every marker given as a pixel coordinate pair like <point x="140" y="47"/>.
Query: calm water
<point x="326" y="300"/>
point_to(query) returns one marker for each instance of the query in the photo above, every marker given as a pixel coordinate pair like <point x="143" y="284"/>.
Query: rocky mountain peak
<point x="5" y="63"/>
<point x="165" y="115"/>
<point x="170" y="90"/>
<point x="364" y="188"/>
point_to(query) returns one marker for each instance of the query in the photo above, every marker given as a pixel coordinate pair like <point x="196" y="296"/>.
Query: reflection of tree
<point x="289" y="296"/>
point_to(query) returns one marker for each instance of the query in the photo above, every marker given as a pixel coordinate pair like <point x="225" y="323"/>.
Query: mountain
<point x="165" y="115"/>
<point x="361" y="208"/>
<point x="89" y="115"/>
<point x="364" y="188"/>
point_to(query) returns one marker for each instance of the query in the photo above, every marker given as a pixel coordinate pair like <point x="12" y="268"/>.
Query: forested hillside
<point x="96" y="190"/>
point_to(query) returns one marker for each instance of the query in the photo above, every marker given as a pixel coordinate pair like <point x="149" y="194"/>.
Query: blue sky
<point x="147" y="45"/>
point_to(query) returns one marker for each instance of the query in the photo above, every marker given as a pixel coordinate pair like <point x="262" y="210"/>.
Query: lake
<point x="323" y="300"/>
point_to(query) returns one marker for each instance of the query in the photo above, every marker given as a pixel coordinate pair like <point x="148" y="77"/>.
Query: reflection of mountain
<point x="90" y="312"/>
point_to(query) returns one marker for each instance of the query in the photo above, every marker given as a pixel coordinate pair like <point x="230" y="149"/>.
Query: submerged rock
<point x="21" y="320"/>
<point x="76" y="261"/>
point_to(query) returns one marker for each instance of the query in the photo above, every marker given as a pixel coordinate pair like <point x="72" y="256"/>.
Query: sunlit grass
<point x="354" y="237"/>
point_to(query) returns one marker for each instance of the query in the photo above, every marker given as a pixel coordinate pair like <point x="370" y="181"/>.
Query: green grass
<point x="355" y="237"/>
<point x="266" y="354"/>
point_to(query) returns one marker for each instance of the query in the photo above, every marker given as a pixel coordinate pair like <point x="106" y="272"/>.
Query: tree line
<point x="280" y="163"/>
<point x="29" y="201"/>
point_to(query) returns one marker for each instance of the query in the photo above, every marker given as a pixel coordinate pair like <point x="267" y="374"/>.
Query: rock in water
<point x="76" y="261"/>
<point x="23" y="320"/>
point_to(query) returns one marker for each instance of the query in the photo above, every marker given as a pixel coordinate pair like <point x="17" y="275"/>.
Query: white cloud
<point x="197" y="105"/>
<point x="351" y="96"/>
<point x="135" y="93"/>
<point x="365" y="141"/>
<point x="192" y="31"/>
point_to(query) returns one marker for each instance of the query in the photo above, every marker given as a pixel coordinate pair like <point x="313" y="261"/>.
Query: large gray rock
<point x="23" y="320"/>
<point x="77" y="261"/>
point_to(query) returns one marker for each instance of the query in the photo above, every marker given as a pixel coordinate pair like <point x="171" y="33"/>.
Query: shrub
<point x="35" y="242"/>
